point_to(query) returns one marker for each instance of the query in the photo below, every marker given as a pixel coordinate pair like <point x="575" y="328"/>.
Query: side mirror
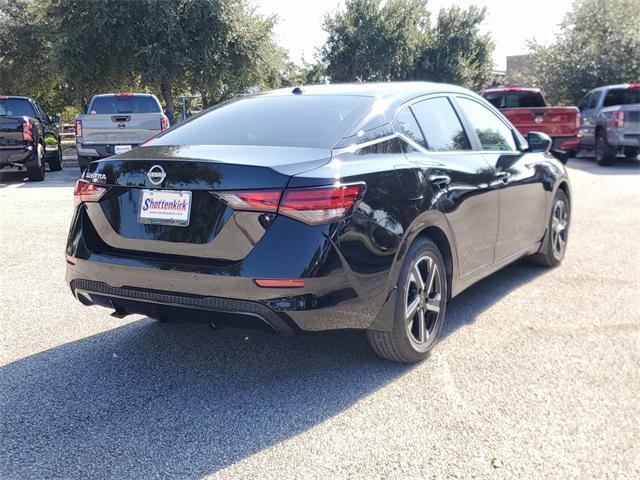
<point x="539" y="142"/>
<point x="55" y="119"/>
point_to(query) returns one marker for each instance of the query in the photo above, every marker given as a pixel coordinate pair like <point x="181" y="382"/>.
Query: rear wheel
<point x="555" y="243"/>
<point x="55" y="163"/>
<point x="605" y="155"/>
<point x="421" y="301"/>
<point x="35" y="172"/>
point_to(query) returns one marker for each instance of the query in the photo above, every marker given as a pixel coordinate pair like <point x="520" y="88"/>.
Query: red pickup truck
<point x="527" y="109"/>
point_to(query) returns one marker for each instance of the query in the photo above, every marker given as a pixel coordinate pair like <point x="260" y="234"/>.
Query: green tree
<point x="374" y="41"/>
<point x="458" y="53"/>
<point x="598" y="44"/>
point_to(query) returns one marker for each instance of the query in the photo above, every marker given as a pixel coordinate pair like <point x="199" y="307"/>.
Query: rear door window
<point x="515" y="99"/>
<point x="113" y="104"/>
<point x="584" y="103"/>
<point x="622" y="96"/>
<point x="595" y="99"/>
<point x="441" y="126"/>
<point x="408" y="126"/>
<point x="16" y="107"/>
<point x="492" y="132"/>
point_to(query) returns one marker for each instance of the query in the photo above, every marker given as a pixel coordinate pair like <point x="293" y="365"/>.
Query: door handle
<point x="502" y="175"/>
<point x="440" y="180"/>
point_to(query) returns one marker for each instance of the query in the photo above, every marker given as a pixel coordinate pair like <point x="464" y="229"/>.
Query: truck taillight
<point x="578" y="121"/>
<point x="27" y="131"/>
<point x="164" y="124"/>
<point x="313" y="206"/>
<point x="78" y="128"/>
<point x="87" y="192"/>
<point x="618" y="118"/>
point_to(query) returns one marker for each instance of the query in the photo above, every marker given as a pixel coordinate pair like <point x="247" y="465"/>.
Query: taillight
<point x="634" y="85"/>
<point x="78" y="128"/>
<point x="618" y="118"/>
<point x="164" y="124"/>
<point x="258" y="200"/>
<point x="316" y="206"/>
<point x="313" y="206"/>
<point x="87" y="192"/>
<point x="577" y="120"/>
<point x="27" y="131"/>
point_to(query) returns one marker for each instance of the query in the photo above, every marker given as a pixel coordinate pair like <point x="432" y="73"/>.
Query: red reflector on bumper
<point x="280" y="282"/>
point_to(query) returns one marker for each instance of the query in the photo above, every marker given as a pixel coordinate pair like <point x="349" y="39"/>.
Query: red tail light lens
<point x="618" y="119"/>
<point x="78" y="128"/>
<point x="316" y="206"/>
<point x="280" y="282"/>
<point x="27" y="131"/>
<point x="313" y="206"/>
<point x="164" y="124"/>
<point x="577" y="120"/>
<point x="261" y="201"/>
<point x="87" y="192"/>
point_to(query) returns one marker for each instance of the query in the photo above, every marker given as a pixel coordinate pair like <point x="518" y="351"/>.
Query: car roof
<point x="18" y="97"/>
<point x="511" y="89"/>
<point x="125" y="94"/>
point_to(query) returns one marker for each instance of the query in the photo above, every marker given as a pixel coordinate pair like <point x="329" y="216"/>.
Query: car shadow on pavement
<point x="181" y="401"/>
<point x="621" y="166"/>
<point x="63" y="178"/>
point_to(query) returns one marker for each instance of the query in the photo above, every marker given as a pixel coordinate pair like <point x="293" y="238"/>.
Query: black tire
<point x="554" y="246"/>
<point x="605" y="155"/>
<point x="35" y="172"/>
<point x="55" y="163"/>
<point x="405" y="343"/>
<point x="83" y="163"/>
<point x="631" y="154"/>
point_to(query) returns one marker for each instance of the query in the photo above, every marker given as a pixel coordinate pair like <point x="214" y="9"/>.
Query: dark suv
<point x="328" y="207"/>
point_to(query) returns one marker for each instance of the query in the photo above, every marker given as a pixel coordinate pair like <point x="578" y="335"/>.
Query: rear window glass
<point x="296" y="121"/>
<point x="622" y="96"/>
<point x="515" y="99"/>
<point x="124" y="104"/>
<point x="16" y="107"/>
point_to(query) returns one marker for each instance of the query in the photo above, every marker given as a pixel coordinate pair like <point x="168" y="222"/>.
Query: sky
<point x="510" y="22"/>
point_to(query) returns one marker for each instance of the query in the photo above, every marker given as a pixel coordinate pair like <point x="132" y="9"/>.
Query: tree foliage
<point x="598" y="44"/>
<point x="372" y="40"/>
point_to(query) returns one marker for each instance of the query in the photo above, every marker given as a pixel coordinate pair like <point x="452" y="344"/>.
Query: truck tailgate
<point x="120" y="128"/>
<point x="554" y="121"/>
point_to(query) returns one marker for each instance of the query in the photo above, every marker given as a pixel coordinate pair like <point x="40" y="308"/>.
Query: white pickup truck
<point x="115" y="123"/>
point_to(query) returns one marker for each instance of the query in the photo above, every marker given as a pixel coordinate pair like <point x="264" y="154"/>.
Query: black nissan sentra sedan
<point x="327" y="207"/>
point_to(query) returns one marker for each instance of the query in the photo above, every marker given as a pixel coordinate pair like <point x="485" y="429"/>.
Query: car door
<point x="588" y="119"/>
<point x="457" y="178"/>
<point x="516" y="176"/>
<point x="50" y="131"/>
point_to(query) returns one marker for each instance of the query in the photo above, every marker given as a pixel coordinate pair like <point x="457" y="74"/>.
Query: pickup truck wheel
<point x="36" y="172"/>
<point x="421" y="300"/>
<point x="605" y="155"/>
<point x="55" y="163"/>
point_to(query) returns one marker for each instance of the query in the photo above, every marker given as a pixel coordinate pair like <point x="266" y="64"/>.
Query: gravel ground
<point x="537" y="374"/>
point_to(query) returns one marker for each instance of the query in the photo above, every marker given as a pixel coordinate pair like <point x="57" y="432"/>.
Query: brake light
<point x="313" y="206"/>
<point x="578" y="121"/>
<point x="124" y="94"/>
<point x="258" y="200"/>
<point x="78" y="128"/>
<point x="27" y="131"/>
<point x="618" y="118"/>
<point x="280" y="282"/>
<point x="634" y="85"/>
<point x="87" y="192"/>
<point x="164" y="124"/>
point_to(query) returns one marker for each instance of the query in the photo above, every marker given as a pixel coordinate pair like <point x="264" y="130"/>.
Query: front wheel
<point x="421" y="300"/>
<point x="554" y="245"/>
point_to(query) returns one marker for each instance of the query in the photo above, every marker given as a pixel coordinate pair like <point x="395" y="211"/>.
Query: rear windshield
<point x="16" y="107"/>
<point x="622" y="96"/>
<point x="295" y="121"/>
<point x="124" y="104"/>
<point x="515" y="99"/>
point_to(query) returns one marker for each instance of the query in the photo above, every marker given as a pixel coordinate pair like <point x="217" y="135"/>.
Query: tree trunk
<point x="167" y="94"/>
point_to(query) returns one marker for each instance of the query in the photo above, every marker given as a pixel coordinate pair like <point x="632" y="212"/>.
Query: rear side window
<point x="584" y="103"/>
<point x="515" y="99"/>
<point x="595" y="98"/>
<point x="622" y="96"/>
<point x="407" y="125"/>
<point x="124" y="104"/>
<point x="441" y="126"/>
<point x="316" y="121"/>
<point x="492" y="132"/>
<point x="16" y="107"/>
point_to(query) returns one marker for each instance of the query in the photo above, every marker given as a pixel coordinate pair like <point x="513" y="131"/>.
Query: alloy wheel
<point x="423" y="300"/>
<point x="559" y="229"/>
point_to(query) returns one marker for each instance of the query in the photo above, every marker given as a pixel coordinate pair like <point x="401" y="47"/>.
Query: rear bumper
<point x="564" y="144"/>
<point x="20" y="155"/>
<point x="97" y="150"/>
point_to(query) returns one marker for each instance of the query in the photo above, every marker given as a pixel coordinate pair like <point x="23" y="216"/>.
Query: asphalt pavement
<point x="537" y="374"/>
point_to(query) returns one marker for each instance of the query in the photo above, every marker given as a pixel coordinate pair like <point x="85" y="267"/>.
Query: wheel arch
<point x="437" y="236"/>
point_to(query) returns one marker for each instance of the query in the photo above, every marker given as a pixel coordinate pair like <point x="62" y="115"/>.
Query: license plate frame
<point x="153" y="214"/>
<point x="118" y="149"/>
